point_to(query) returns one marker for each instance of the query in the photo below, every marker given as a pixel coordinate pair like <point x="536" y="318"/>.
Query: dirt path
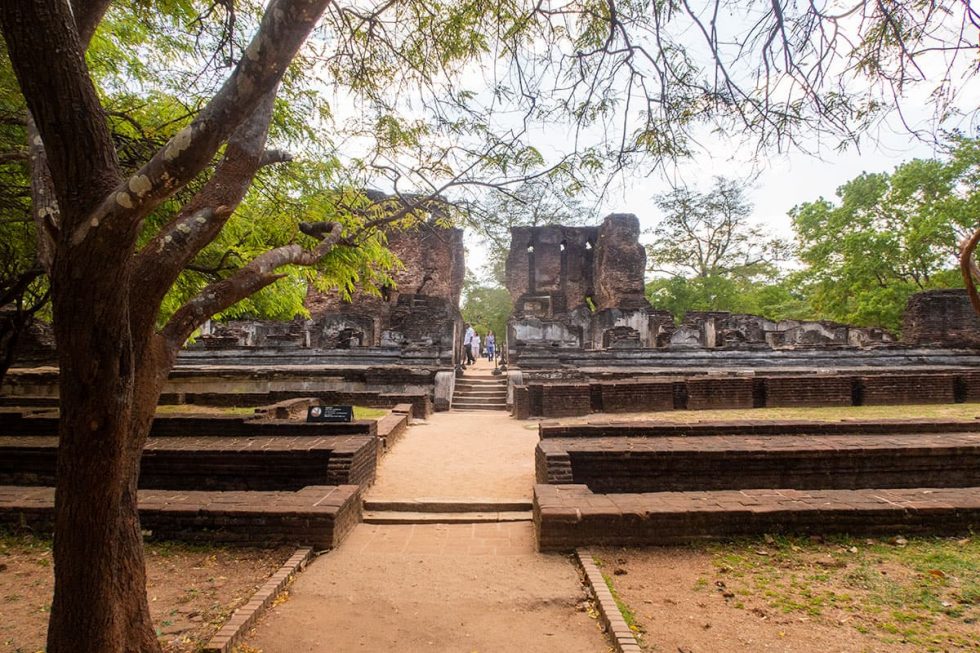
<point x="452" y="588"/>
<point x="471" y="455"/>
<point x="461" y="588"/>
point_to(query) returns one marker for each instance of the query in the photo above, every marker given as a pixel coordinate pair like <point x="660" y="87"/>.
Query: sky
<point x="782" y="181"/>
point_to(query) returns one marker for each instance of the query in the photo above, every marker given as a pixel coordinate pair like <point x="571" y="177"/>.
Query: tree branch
<point x="284" y="27"/>
<point x="968" y="267"/>
<point x="257" y="274"/>
<point x="47" y="55"/>
<point x="162" y="259"/>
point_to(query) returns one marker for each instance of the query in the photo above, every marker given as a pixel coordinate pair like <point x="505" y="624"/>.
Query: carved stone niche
<point x="539" y="306"/>
<point x="687" y="336"/>
<point x="345" y="332"/>
<point x="621" y="337"/>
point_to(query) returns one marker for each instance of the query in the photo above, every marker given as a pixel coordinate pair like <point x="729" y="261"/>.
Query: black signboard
<point x="330" y="413"/>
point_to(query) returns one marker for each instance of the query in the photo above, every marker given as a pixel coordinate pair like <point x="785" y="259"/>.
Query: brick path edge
<point x="244" y="617"/>
<point x="623" y="638"/>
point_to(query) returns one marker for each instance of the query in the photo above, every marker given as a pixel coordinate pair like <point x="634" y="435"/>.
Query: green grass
<point x="364" y="412"/>
<point x="628" y="615"/>
<point x="922" y="591"/>
<point x="966" y="412"/>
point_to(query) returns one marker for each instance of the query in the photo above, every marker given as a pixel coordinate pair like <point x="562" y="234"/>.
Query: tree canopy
<point x="888" y="235"/>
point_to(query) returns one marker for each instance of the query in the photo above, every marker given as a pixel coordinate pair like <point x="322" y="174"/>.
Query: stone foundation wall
<point x="941" y="317"/>
<point x="577" y="398"/>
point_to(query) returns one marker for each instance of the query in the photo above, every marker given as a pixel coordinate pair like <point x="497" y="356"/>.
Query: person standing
<point x="467" y="344"/>
<point x="475" y="346"/>
<point x="491" y="345"/>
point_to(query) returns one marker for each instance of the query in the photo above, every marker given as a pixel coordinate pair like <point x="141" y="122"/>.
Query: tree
<point x="486" y="307"/>
<point x="709" y="235"/>
<point x="889" y="235"/>
<point x="115" y="241"/>
<point x="714" y="258"/>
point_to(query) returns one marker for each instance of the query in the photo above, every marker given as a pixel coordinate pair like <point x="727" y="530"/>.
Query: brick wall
<point x="566" y="400"/>
<point x="808" y="390"/>
<point x="675" y="464"/>
<point x="894" y="389"/>
<point x="214" y="463"/>
<point x="707" y="393"/>
<point x="634" y="396"/>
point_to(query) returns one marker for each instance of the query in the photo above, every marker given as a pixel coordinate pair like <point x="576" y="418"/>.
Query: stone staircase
<point x="434" y="511"/>
<point x="480" y="393"/>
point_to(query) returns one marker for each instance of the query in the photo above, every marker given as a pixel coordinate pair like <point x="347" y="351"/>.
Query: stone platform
<point x="317" y="516"/>
<point x="569" y="516"/>
<point x="214" y="463"/>
<point x="733" y="462"/>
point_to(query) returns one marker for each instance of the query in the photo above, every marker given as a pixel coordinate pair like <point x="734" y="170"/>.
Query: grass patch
<point x="965" y="412"/>
<point x="196" y="409"/>
<point x="628" y="615"/>
<point x="921" y="591"/>
<point x="365" y="412"/>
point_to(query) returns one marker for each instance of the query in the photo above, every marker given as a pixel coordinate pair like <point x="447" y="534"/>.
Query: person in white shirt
<point x="475" y="346"/>
<point x="467" y="344"/>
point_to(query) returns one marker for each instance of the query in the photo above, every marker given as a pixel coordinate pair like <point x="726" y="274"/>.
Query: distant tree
<point x="709" y="234"/>
<point x="708" y="255"/>
<point x="487" y="307"/>
<point x="888" y="236"/>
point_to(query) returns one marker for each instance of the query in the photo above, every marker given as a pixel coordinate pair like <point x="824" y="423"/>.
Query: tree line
<point x="854" y="259"/>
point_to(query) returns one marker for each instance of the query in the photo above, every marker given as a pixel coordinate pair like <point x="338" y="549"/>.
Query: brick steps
<point x="317" y="516"/>
<point x="214" y="463"/>
<point x="390" y="517"/>
<point x="479" y="405"/>
<point x="444" y="506"/>
<point x="568" y="516"/>
<point x="765" y="461"/>
<point x="480" y="394"/>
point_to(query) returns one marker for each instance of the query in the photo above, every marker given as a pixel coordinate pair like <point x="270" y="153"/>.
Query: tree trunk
<point x="110" y="390"/>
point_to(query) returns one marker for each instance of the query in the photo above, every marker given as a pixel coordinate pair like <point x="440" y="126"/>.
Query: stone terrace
<point x="662" y="483"/>
<point x="319" y="516"/>
<point x="214" y="463"/>
<point x="569" y="516"/>
<point x="731" y="462"/>
<point x="216" y="477"/>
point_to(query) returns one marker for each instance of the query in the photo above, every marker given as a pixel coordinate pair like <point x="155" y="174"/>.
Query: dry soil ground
<point x="846" y="596"/>
<point x="192" y="590"/>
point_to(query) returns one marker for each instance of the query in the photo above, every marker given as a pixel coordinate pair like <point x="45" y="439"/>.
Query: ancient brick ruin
<point x="421" y="308"/>
<point x="942" y="318"/>
<point x="419" y="311"/>
<point x="583" y="288"/>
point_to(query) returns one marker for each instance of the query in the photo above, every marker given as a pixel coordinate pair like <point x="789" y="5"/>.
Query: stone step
<point x="839" y="462"/>
<point x="381" y="517"/>
<point x="318" y="516"/>
<point x="494" y="398"/>
<point x="478" y="406"/>
<point x="570" y="516"/>
<point x="480" y="390"/>
<point x="213" y="463"/>
<point x="481" y="382"/>
<point x="446" y="506"/>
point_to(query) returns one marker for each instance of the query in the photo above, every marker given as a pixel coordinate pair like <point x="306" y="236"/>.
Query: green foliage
<point x="774" y="299"/>
<point x="486" y="307"/>
<point x="888" y="236"/>
<point x="717" y="260"/>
